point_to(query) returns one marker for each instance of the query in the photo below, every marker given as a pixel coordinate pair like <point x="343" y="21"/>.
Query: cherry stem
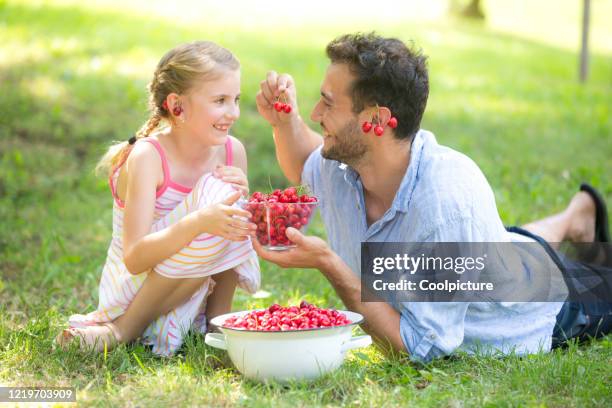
<point x="376" y="116"/>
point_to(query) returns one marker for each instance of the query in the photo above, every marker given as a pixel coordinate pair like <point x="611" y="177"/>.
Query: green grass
<point x="73" y="80"/>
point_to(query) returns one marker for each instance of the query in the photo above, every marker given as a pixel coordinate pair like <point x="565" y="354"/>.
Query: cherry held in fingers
<point x="281" y="105"/>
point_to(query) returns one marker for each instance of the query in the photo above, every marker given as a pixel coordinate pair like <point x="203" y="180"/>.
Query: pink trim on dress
<point x="229" y="154"/>
<point x="168" y="182"/>
<point x="179" y="187"/>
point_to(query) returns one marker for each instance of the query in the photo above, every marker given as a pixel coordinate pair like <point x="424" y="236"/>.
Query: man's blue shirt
<point x="443" y="197"/>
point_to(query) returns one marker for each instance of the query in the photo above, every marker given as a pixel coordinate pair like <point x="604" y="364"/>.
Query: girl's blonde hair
<point x="177" y="72"/>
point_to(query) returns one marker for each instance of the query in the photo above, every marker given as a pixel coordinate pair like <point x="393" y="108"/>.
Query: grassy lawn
<point x="72" y="79"/>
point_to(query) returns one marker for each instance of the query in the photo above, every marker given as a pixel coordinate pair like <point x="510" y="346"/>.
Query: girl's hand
<point x="224" y="220"/>
<point x="234" y="176"/>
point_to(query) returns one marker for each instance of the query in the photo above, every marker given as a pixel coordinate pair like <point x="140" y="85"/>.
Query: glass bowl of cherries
<point x="275" y="212"/>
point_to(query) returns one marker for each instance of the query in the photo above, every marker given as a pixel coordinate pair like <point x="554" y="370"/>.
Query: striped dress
<point x="206" y="255"/>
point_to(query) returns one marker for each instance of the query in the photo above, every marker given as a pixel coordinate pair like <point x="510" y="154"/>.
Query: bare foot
<point x="95" y="337"/>
<point x="581" y="213"/>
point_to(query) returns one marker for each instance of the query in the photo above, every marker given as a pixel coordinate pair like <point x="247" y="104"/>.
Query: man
<point x="400" y="185"/>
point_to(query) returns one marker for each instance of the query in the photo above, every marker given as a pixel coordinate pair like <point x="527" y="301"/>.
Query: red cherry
<point x="366" y="127"/>
<point x="278" y="106"/>
<point x="392" y="122"/>
<point x="291" y="209"/>
<point x="287" y="108"/>
<point x="378" y="130"/>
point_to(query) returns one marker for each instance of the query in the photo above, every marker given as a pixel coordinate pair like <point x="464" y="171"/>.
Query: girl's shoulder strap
<point x="229" y="154"/>
<point x="160" y="150"/>
<point x="162" y="156"/>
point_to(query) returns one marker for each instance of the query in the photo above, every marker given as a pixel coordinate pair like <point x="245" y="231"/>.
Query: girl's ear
<point x="173" y="101"/>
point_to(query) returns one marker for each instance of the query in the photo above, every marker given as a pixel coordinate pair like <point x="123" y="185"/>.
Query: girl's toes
<point x="65" y="337"/>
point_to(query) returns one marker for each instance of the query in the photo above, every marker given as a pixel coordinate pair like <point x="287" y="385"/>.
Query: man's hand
<point x="271" y="88"/>
<point x="381" y="321"/>
<point x="310" y="252"/>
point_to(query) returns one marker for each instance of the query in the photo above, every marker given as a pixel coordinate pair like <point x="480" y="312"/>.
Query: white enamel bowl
<point x="287" y="355"/>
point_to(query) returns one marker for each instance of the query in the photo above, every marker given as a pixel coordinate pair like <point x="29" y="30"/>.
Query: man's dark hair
<point x="388" y="73"/>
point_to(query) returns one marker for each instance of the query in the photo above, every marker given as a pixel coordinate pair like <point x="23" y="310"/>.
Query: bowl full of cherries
<point x="285" y="343"/>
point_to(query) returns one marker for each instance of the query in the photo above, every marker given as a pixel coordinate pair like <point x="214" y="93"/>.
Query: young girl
<point x="176" y="233"/>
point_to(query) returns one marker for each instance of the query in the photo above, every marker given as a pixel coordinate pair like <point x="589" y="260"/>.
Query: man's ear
<point x="384" y="114"/>
<point x="371" y="113"/>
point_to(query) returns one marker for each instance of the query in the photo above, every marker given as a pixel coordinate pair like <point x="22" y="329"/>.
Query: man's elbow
<point x="391" y="349"/>
<point x="391" y="345"/>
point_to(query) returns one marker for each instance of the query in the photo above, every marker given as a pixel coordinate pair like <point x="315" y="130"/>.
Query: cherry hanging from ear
<point x="366" y="127"/>
<point x="392" y="122"/>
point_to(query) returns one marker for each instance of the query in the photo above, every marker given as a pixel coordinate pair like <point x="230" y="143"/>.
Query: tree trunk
<point x="473" y="10"/>
<point x="584" y="49"/>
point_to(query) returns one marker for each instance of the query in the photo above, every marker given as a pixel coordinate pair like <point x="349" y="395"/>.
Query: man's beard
<point x="347" y="147"/>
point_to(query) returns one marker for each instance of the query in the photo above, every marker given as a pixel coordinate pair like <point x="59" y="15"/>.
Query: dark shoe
<point x="602" y="232"/>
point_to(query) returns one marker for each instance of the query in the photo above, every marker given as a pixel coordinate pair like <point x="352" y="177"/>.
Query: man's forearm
<point x="294" y="142"/>
<point x="382" y="321"/>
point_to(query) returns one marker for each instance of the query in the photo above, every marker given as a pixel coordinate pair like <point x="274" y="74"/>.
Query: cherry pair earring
<point x="376" y="124"/>
<point x="176" y="111"/>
